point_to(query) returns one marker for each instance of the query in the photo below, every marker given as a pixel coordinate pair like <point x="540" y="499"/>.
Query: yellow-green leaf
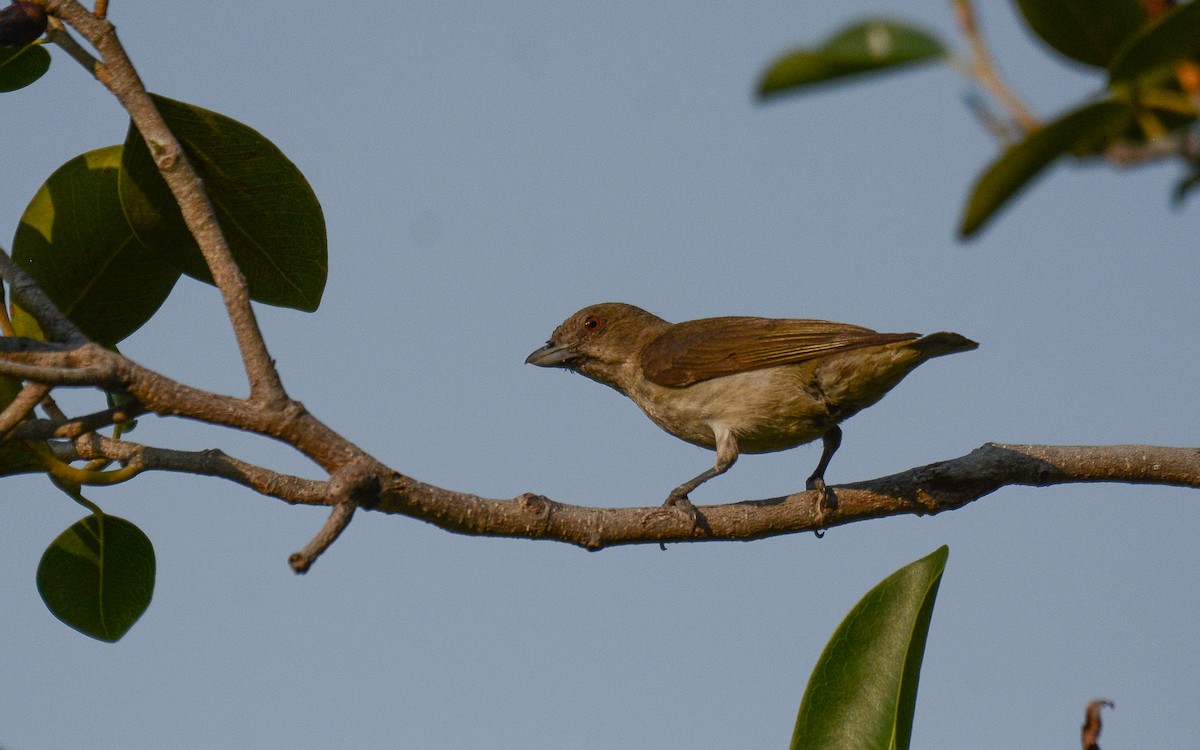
<point x="863" y="691"/>
<point x="75" y="241"/>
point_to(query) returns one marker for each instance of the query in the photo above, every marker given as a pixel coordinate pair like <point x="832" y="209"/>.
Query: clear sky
<point x="485" y="170"/>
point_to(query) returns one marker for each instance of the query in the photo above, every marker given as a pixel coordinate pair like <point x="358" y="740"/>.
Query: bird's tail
<point x="942" y="343"/>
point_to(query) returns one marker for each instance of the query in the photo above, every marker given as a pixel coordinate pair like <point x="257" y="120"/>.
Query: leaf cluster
<point x="105" y="240"/>
<point x="1148" y="103"/>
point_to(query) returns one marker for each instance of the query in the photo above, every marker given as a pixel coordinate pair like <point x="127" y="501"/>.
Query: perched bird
<point x="740" y="384"/>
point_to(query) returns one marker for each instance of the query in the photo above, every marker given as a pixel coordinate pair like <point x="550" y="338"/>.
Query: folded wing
<point x="699" y="350"/>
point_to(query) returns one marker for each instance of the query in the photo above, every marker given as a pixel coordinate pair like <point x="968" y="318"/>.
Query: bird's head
<point x="600" y="341"/>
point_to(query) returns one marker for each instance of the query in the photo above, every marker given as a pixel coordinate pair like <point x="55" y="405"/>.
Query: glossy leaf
<point x="267" y="210"/>
<point x="1082" y="131"/>
<point x="863" y="692"/>
<point x="75" y="241"/>
<point x="866" y="47"/>
<point x="1172" y="37"/>
<point x="1087" y="31"/>
<point x="22" y="66"/>
<point x="98" y="576"/>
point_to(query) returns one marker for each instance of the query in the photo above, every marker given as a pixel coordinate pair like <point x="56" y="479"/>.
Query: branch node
<point x="350" y="485"/>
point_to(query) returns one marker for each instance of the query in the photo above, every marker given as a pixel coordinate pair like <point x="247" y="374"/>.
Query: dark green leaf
<point x="16" y="457"/>
<point x="863" y="691"/>
<point x="269" y="214"/>
<point x="21" y="67"/>
<point x="98" y="576"/>
<point x="1172" y="37"/>
<point x="1082" y="131"/>
<point x="75" y="241"/>
<point x="1088" y="31"/>
<point x="865" y="47"/>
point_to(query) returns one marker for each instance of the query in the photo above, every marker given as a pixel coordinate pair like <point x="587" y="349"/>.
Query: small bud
<point x="21" y="23"/>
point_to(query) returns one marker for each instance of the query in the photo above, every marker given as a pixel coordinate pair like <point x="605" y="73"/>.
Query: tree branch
<point x="211" y="463"/>
<point x="925" y="490"/>
<point x="118" y="74"/>
<point x="21" y="406"/>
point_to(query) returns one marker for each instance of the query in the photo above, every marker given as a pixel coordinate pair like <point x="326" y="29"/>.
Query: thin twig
<point x="211" y="463"/>
<point x="982" y="68"/>
<point x="73" y="427"/>
<point x="339" y="519"/>
<point x="21" y="406"/>
<point x="351" y="485"/>
<point x="56" y="33"/>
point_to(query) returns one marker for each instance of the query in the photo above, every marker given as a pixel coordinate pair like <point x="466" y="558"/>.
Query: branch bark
<point x="925" y="490"/>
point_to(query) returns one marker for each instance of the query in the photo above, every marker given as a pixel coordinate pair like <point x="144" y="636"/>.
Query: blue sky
<point x="487" y="169"/>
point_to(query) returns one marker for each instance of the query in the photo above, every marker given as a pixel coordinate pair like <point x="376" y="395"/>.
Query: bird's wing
<point x="698" y="350"/>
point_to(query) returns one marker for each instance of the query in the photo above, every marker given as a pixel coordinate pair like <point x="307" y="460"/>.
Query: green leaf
<point x="1084" y="130"/>
<point x="22" y="66"/>
<point x="16" y="457"/>
<point x="863" y="692"/>
<point x="267" y="210"/>
<point x="75" y="241"/>
<point x="1088" y="31"/>
<point x="98" y="576"/>
<point x="866" y="47"/>
<point x="1173" y="36"/>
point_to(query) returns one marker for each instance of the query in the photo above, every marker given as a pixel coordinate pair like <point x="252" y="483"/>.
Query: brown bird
<point x="740" y="384"/>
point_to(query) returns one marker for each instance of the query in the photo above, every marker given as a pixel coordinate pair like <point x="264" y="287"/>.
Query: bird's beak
<point x="551" y="355"/>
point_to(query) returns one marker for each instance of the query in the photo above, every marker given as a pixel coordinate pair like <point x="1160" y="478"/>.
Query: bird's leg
<point x="830" y="440"/>
<point x="727" y="453"/>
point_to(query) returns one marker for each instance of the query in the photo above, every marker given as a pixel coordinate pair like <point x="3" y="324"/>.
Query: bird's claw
<point x="679" y="500"/>
<point x="824" y="506"/>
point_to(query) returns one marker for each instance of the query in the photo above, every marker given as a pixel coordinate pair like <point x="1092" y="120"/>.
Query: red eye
<point x="592" y="323"/>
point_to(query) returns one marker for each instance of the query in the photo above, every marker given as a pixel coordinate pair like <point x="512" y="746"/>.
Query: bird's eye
<point x="592" y="323"/>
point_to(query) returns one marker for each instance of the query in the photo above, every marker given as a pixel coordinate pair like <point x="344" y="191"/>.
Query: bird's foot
<point x="679" y="499"/>
<point x="825" y="502"/>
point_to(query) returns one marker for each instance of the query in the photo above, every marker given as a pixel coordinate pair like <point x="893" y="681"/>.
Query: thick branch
<point x="925" y="490"/>
<point x="93" y="365"/>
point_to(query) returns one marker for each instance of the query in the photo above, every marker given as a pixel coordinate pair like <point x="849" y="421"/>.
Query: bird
<point x="741" y="384"/>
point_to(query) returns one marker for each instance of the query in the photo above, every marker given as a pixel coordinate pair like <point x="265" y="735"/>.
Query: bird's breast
<point x="768" y="410"/>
